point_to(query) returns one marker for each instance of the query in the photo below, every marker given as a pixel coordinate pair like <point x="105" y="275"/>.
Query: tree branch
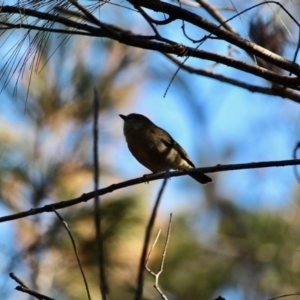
<point x="140" y="278"/>
<point x="279" y="92"/>
<point x="75" y="251"/>
<point x="181" y="14"/>
<point x="214" y="12"/>
<point x="22" y="287"/>
<point x="156" y="275"/>
<point x="151" y="177"/>
<point x="97" y="207"/>
<point x="154" y="42"/>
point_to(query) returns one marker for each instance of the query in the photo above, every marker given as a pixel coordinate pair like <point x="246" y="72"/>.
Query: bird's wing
<point x="170" y="142"/>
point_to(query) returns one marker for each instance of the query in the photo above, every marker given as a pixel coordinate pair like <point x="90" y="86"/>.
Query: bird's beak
<point x="123" y="117"/>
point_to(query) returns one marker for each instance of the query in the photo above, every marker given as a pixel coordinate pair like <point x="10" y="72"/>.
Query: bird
<point x="155" y="148"/>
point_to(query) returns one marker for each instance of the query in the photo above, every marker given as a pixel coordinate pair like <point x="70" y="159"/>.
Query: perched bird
<point x="155" y="149"/>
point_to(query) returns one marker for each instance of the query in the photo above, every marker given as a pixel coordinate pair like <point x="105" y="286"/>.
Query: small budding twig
<point x="156" y="275"/>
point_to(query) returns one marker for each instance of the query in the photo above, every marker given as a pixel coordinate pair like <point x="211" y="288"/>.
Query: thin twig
<point x="165" y="247"/>
<point x="284" y="93"/>
<point x="296" y="148"/>
<point x="140" y="278"/>
<point x="214" y="12"/>
<point x="150" y="42"/>
<point x="17" y="279"/>
<point x="152" y="247"/>
<point x="180" y="14"/>
<point x="33" y="293"/>
<point x="129" y="38"/>
<point x="97" y="207"/>
<point x="156" y="275"/>
<point x="151" y="177"/>
<point x="88" y="14"/>
<point x="286" y="295"/>
<point x="75" y="251"/>
<point x="25" y="289"/>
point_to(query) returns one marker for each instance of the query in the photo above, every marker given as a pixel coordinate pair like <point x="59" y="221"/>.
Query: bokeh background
<point x="237" y="237"/>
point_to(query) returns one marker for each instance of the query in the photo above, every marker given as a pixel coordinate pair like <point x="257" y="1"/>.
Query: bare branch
<point x="283" y="296"/>
<point x="25" y="289"/>
<point x="150" y="251"/>
<point x="156" y="275"/>
<point x="180" y="14"/>
<point x="18" y="280"/>
<point x="151" y="177"/>
<point x="296" y="148"/>
<point x="75" y="251"/>
<point x="274" y="91"/>
<point x="158" y="43"/>
<point x="97" y="207"/>
<point x="140" y="278"/>
<point x="214" y="12"/>
<point x="50" y="17"/>
<point x="86" y="13"/>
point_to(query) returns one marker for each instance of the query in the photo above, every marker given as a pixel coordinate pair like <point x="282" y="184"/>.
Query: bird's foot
<point x="149" y="176"/>
<point x="146" y="178"/>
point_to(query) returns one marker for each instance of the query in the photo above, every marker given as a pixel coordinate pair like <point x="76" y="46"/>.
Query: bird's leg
<point x="148" y="176"/>
<point x="168" y="174"/>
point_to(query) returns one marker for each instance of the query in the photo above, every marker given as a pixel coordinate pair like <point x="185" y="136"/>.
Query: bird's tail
<point x="201" y="177"/>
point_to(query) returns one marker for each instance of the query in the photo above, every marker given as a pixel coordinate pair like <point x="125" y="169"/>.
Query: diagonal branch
<point x="22" y="287"/>
<point x="140" y="278"/>
<point x="151" y="177"/>
<point x="75" y="251"/>
<point x="214" y="12"/>
<point x="279" y="92"/>
<point x="163" y="45"/>
<point x="181" y="14"/>
<point x="156" y="275"/>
